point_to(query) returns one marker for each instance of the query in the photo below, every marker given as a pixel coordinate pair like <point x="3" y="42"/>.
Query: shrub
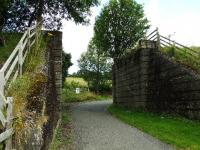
<point x="75" y="82"/>
<point x="70" y="96"/>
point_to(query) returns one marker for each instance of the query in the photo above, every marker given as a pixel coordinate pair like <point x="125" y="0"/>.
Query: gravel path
<point x="96" y="129"/>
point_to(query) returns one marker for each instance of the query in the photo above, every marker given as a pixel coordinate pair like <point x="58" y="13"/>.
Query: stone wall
<point x="54" y="84"/>
<point x="149" y="79"/>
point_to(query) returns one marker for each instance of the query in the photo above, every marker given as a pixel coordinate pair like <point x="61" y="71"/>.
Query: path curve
<point x="96" y="129"/>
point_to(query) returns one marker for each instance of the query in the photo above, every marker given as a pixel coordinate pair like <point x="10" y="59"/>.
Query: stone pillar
<point x="145" y="48"/>
<point x="54" y="84"/>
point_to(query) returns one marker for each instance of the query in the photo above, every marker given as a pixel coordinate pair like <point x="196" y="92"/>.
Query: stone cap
<point x="147" y="44"/>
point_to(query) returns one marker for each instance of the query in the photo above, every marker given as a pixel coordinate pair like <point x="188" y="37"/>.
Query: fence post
<point x="36" y="34"/>
<point x="9" y="121"/>
<point x="2" y="86"/>
<point x="20" y="58"/>
<point x="29" y="40"/>
<point x="158" y="38"/>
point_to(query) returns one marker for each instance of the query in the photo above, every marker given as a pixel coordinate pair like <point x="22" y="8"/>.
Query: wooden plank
<point x="33" y="27"/>
<point x="11" y="69"/>
<point x="15" y="75"/>
<point x="23" y="37"/>
<point x="32" y="43"/>
<point x="181" y="45"/>
<point x="5" y="135"/>
<point x="32" y="34"/>
<point x="9" y="121"/>
<point x="10" y="59"/>
<point x="4" y="101"/>
<point x="151" y="33"/>
<point x="2" y="118"/>
<point x="24" y="57"/>
<point x="24" y="44"/>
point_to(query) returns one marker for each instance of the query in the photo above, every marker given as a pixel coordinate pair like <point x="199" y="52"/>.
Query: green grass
<point x="11" y="40"/>
<point x="179" y="132"/>
<point x="181" y="56"/>
<point x="71" y="96"/>
<point x="63" y="134"/>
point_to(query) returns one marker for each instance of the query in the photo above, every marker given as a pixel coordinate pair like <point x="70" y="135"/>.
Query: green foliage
<point x="95" y="67"/>
<point x="70" y="96"/>
<point x="11" y="41"/>
<point x="63" y="134"/>
<point x="75" y="82"/>
<point x="180" y="132"/>
<point x="35" y="58"/>
<point x="119" y="26"/>
<point x="66" y="63"/>
<point x="181" y="55"/>
<point x="3" y="10"/>
<point x="25" y="12"/>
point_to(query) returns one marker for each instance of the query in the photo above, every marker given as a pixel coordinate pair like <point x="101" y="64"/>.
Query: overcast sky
<point x="179" y="18"/>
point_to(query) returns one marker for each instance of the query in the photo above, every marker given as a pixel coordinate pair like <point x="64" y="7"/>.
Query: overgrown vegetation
<point x="69" y="91"/>
<point x="63" y="134"/>
<point x="28" y="94"/>
<point x="11" y="40"/>
<point x="180" y="132"/>
<point x="182" y="56"/>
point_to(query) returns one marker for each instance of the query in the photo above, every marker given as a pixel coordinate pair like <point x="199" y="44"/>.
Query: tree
<point x="119" y="26"/>
<point x="22" y="13"/>
<point x="94" y="66"/>
<point x="66" y="63"/>
<point x="3" y="9"/>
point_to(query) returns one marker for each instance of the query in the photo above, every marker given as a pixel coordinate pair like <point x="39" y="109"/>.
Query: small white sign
<point x="77" y="90"/>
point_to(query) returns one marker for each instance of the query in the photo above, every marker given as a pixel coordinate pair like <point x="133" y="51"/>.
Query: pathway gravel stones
<point x="96" y="129"/>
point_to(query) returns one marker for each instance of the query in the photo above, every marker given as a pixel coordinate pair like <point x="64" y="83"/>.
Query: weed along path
<point x="96" y="129"/>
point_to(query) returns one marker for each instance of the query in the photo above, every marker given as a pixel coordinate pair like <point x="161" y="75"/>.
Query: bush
<point x="28" y="103"/>
<point x="75" y="82"/>
<point x="71" y="96"/>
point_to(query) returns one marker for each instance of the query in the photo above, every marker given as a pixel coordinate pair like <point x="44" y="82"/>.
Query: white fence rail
<point x="8" y="73"/>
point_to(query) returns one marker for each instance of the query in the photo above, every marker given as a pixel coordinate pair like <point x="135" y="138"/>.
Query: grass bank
<point x="181" y="56"/>
<point x="11" y="40"/>
<point x="63" y="133"/>
<point x="179" y="132"/>
<point x="70" y="96"/>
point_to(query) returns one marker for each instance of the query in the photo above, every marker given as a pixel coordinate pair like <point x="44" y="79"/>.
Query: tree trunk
<point x="40" y="11"/>
<point x="2" y="39"/>
<point x="98" y="77"/>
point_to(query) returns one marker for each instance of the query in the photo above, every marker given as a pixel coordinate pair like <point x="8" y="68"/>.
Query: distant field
<point x="11" y="41"/>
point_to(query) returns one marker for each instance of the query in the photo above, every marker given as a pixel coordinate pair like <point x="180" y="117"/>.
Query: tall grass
<point x="27" y="92"/>
<point x="184" y="57"/>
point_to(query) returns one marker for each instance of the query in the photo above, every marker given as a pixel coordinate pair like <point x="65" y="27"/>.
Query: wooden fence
<point x="12" y="68"/>
<point x="163" y="41"/>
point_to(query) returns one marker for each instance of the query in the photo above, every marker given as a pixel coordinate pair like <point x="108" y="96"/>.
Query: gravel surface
<point x="96" y="129"/>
